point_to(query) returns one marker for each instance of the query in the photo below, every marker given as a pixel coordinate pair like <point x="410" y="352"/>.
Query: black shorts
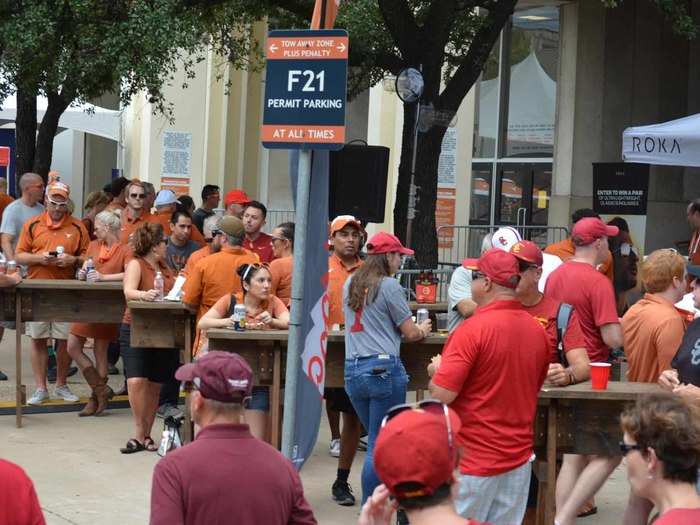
<point x="155" y="364"/>
<point x="337" y="399"/>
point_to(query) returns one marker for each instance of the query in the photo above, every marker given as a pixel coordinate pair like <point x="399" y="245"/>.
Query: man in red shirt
<point x="491" y="371"/>
<point x="225" y="475"/>
<point x="18" y="501"/>
<point x="577" y="283"/>
<point x="257" y="241"/>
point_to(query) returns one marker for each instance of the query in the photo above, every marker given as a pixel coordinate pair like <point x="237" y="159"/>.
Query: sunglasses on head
<point x="56" y="203"/>
<point x="431" y="406"/>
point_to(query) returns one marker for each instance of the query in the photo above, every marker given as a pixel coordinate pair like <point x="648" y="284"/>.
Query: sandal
<point x="149" y="444"/>
<point x="132" y="446"/>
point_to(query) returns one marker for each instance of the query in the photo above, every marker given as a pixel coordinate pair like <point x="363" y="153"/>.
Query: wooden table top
<point x="66" y="284"/>
<point x="431" y="307"/>
<point x="175" y="306"/>
<point x="616" y="391"/>
<point x="334" y="336"/>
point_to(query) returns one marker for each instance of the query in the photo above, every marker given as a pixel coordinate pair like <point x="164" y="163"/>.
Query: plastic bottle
<point x="159" y="285"/>
<point x="89" y="265"/>
<point x="165" y="443"/>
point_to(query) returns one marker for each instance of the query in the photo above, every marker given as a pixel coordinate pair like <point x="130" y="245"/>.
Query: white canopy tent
<point x="87" y="118"/>
<point x="673" y="143"/>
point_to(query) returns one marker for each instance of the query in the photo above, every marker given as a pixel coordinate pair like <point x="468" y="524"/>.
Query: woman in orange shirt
<point x="145" y="368"/>
<point x="264" y="311"/>
<point x="109" y="259"/>
<point x="281" y="266"/>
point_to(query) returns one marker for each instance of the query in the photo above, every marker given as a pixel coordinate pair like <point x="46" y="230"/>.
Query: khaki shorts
<point x="44" y="330"/>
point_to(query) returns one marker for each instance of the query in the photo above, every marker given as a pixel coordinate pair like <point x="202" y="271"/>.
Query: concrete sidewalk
<point x="82" y="479"/>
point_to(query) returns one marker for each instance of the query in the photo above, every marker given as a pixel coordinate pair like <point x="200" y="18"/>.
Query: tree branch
<point x="403" y="28"/>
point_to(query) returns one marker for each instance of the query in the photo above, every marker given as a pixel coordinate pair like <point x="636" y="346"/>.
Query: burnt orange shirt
<point x="195" y="258"/>
<point x="163" y="218"/>
<point x="281" y="271"/>
<point x="338" y="273"/>
<point x="148" y="276"/>
<point x="37" y="237"/>
<point x="130" y="224"/>
<point x="5" y="199"/>
<point x="565" y="250"/>
<point x="653" y="330"/>
<point x="215" y="276"/>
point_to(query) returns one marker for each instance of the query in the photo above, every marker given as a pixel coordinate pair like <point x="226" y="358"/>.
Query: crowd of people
<point x="519" y="318"/>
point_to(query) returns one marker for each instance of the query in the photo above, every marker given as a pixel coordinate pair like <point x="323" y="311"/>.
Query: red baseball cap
<point x="527" y="251"/>
<point x="384" y="242"/>
<point x="471" y="264"/>
<point x="589" y="229"/>
<point x="414" y="448"/>
<point x="501" y="267"/>
<point x="222" y="376"/>
<point x="236" y="197"/>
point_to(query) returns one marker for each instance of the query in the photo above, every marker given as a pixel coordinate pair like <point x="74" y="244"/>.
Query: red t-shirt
<point x="545" y="312"/>
<point x="262" y="245"/>
<point x="593" y="297"/>
<point x="18" y="501"/>
<point x="496" y="361"/>
<point x="679" y="517"/>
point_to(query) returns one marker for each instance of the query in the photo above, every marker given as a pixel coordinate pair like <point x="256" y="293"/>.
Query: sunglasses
<point x="188" y="387"/>
<point x="432" y="406"/>
<point x="137" y="195"/>
<point x="214" y="233"/>
<point x="279" y="239"/>
<point x="57" y="204"/>
<point x="625" y="249"/>
<point x="476" y="275"/>
<point x="626" y="449"/>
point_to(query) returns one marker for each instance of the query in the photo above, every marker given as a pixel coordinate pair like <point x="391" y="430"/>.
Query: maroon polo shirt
<point x="224" y="476"/>
<point x="262" y="245"/>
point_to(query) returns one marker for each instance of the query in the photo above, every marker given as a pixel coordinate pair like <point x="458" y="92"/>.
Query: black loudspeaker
<point x="358" y="176"/>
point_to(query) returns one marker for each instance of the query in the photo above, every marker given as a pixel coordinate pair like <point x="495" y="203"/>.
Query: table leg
<point x="550" y="502"/>
<point x="188" y="427"/>
<point x="276" y="394"/>
<point x="18" y="360"/>
<point x="420" y="394"/>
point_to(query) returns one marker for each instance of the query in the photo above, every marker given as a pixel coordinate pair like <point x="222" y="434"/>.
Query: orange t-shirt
<point x="163" y="218"/>
<point x="653" y="330"/>
<point x="565" y="250"/>
<point x="37" y="237"/>
<point x="148" y="276"/>
<point x="5" y="199"/>
<point x="113" y="261"/>
<point x="195" y="258"/>
<point x="281" y="271"/>
<point x="130" y="224"/>
<point x="338" y="273"/>
<point x="215" y="276"/>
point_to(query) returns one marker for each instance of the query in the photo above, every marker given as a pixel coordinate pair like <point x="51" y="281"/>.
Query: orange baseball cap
<point x="341" y="221"/>
<point x="527" y="251"/>
<point x="236" y="196"/>
<point x="58" y="188"/>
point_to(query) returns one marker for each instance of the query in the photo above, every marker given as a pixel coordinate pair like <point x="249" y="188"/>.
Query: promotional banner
<point x="312" y="372"/>
<point x="674" y="143"/>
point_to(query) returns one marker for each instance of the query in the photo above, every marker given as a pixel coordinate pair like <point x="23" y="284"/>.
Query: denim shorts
<point x="260" y="399"/>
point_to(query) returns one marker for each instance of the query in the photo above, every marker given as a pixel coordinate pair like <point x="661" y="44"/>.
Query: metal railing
<point x="275" y="217"/>
<point x="465" y="240"/>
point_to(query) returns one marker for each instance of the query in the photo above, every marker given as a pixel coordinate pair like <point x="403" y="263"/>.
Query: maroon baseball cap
<point x="589" y="229"/>
<point x="501" y="267"/>
<point x="384" y="242"/>
<point x="414" y="447"/>
<point x="222" y="376"/>
<point x="527" y="251"/>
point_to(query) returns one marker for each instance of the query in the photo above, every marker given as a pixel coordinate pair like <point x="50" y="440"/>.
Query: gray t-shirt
<point x="14" y="217"/>
<point x="176" y="256"/>
<point x="460" y="288"/>
<point x="377" y="329"/>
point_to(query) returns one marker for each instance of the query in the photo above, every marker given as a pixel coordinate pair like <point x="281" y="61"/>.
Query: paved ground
<point x="82" y="479"/>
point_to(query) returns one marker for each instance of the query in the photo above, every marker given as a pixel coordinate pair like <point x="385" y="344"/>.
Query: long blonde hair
<point x="366" y="280"/>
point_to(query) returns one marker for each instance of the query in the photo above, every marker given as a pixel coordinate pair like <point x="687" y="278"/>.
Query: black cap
<point x="118" y="185"/>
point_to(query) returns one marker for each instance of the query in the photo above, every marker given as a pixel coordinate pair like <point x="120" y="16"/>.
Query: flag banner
<point x="312" y="372"/>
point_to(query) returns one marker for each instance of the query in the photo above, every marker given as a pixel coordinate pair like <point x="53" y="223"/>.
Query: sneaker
<point x="166" y="411"/>
<point x="3" y="376"/>
<point x="64" y="393"/>
<point x="334" y="448"/>
<point x="342" y="493"/>
<point x="40" y="395"/>
<point x="362" y="444"/>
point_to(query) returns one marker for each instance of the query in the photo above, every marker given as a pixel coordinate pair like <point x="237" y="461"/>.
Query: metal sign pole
<point x="295" y="344"/>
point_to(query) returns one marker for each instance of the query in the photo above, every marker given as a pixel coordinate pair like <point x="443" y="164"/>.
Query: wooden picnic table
<point x="440" y="306"/>
<point x="59" y="300"/>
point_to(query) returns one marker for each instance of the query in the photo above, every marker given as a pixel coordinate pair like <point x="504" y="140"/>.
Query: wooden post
<point x="18" y="360"/>
<point x="276" y="393"/>
<point x="550" y="503"/>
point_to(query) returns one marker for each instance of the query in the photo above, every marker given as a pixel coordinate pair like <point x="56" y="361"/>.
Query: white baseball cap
<point x="165" y="197"/>
<point x="504" y="238"/>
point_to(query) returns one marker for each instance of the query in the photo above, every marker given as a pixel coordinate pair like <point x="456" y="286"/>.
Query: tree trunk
<point x="404" y="180"/>
<point x="25" y="131"/>
<point x="47" y="132"/>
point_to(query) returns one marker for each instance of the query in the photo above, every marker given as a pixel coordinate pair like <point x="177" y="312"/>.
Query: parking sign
<point x="305" y="89"/>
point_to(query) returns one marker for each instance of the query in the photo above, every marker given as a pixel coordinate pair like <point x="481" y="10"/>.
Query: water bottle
<point x="159" y="285"/>
<point x="89" y="265"/>
<point x="165" y="443"/>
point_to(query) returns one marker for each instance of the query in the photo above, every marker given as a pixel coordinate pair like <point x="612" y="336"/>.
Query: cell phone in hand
<point x="53" y="254"/>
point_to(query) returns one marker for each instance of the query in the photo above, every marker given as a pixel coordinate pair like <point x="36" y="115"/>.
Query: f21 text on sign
<point x="305" y="89"/>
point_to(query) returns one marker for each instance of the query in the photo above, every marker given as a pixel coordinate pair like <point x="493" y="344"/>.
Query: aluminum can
<point x="239" y="317"/>
<point x="422" y="315"/>
<point x="11" y="267"/>
<point x="3" y="267"/>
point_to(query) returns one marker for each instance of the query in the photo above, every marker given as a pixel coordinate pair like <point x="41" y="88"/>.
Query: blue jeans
<point x="374" y="385"/>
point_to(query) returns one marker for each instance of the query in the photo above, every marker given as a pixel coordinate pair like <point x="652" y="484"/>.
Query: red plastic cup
<point x="600" y="374"/>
